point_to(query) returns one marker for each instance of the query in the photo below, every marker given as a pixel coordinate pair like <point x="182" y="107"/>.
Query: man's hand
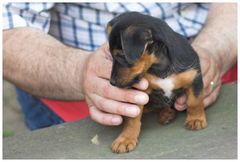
<point x="106" y="102"/>
<point x="216" y="46"/>
<point x="211" y="71"/>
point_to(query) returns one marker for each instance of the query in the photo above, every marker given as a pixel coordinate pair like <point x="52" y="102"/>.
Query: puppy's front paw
<point x="124" y="144"/>
<point x="196" y="124"/>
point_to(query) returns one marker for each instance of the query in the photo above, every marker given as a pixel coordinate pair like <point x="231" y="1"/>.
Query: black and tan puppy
<point x="144" y="46"/>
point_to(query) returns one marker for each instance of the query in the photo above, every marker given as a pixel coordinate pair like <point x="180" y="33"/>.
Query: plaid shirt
<point x="82" y="25"/>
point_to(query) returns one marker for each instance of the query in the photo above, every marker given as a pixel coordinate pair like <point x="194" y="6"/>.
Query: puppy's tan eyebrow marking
<point x="109" y="29"/>
<point x="143" y="63"/>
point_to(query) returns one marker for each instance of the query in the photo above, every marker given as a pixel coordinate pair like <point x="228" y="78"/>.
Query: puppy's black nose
<point x="113" y="82"/>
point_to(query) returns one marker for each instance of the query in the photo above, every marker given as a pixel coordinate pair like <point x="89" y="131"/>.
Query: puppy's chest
<point x="162" y="92"/>
<point x="166" y="85"/>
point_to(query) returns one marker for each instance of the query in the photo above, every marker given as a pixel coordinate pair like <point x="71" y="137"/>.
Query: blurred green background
<point x="13" y="122"/>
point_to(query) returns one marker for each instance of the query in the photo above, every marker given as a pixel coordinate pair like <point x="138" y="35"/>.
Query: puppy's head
<point x="131" y="54"/>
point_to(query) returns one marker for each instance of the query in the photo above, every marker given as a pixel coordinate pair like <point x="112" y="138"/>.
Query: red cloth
<point x="68" y="111"/>
<point x="72" y="111"/>
<point x="230" y="75"/>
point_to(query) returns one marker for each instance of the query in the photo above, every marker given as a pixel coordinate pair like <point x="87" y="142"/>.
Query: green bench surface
<point x="173" y="141"/>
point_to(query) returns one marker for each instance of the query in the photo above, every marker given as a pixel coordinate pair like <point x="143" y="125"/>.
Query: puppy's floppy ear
<point x="134" y="41"/>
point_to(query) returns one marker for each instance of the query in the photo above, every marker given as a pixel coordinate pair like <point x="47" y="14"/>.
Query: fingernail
<point x="180" y="108"/>
<point x="206" y="102"/>
<point x="143" y="85"/>
<point x="140" y="99"/>
<point x="116" y="121"/>
<point x="182" y="100"/>
<point x="132" y="111"/>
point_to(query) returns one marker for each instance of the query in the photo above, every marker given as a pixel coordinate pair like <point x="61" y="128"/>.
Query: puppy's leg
<point x="166" y="115"/>
<point x="196" y="118"/>
<point x="127" y="140"/>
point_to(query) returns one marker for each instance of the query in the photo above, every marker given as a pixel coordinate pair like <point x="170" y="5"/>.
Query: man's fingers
<point x="180" y="103"/>
<point x="104" y="118"/>
<point x="211" y="87"/>
<point x="142" y="85"/>
<point x="101" y="117"/>
<point x="115" y="107"/>
<point x="212" y="97"/>
<point x="106" y="90"/>
<point x="209" y="79"/>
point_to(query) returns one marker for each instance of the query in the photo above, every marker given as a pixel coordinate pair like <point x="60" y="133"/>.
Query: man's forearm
<point x="41" y="65"/>
<point x="219" y="35"/>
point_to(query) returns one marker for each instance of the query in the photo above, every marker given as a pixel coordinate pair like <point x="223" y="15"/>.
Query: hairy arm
<point x="41" y="65"/>
<point x="44" y="67"/>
